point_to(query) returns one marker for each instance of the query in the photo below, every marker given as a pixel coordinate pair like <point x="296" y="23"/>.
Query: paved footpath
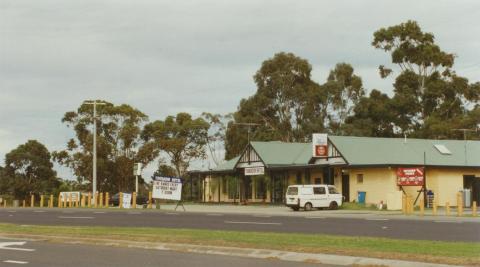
<point x="261" y="219"/>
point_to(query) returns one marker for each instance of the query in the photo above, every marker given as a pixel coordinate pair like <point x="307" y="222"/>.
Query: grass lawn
<point x="461" y="253"/>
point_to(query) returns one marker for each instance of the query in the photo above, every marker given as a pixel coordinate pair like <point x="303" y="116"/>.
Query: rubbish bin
<point x="361" y="197"/>
<point x="430" y="198"/>
<point x="467" y="198"/>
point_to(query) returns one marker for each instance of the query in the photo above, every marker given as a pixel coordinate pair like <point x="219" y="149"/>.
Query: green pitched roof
<point x="280" y="154"/>
<point x="397" y="151"/>
<point x="369" y="151"/>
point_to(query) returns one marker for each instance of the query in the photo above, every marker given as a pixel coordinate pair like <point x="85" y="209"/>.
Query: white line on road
<point x="11" y="211"/>
<point x="16" y="262"/>
<point x="6" y="246"/>
<point x="261" y="223"/>
<point x="376" y="219"/>
<point x="75" y="217"/>
<point x="262" y="216"/>
<point x="99" y="212"/>
<point x="134" y="213"/>
<point x="171" y="213"/>
<point x="315" y="217"/>
<point x="448" y="222"/>
<point x="214" y="214"/>
<point x="39" y="211"/>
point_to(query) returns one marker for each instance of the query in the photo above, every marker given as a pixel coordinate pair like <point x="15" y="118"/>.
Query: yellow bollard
<point x="95" y="200"/>
<point x="149" y="200"/>
<point x="107" y="199"/>
<point x="41" y="201"/>
<point x="32" y="201"/>
<point x="89" y="200"/>
<point x="434" y="207"/>
<point x="50" y="204"/>
<point x="101" y="200"/>
<point x="82" y="202"/>
<point x="459" y="204"/>
<point x="120" y="200"/>
<point x="24" y="203"/>
<point x="5" y="203"/>
<point x="404" y="204"/>
<point x="447" y="209"/>
<point x="59" y="200"/>
<point x="474" y="209"/>
<point x="70" y="200"/>
<point x="422" y="207"/>
<point x="134" y="200"/>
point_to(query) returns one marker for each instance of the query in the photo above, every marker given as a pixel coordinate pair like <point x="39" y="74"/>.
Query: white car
<point x="313" y="196"/>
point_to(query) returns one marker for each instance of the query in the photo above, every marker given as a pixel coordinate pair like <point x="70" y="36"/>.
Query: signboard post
<point x="137" y="170"/>
<point x="320" y="145"/>
<point x="414" y="176"/>
<point x="126" y="200"/>
<point x="169" y="188"/>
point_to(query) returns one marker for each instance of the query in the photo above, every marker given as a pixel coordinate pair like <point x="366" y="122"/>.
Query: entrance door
<point x="473" y="183"/>
<point x="278" y="187"/>
<point x="346" y="187"/>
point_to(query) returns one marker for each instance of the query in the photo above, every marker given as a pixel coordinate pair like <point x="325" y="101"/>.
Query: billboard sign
<point x="410" y="176"/>
<point x="320" y="145"/>
<point x="254" y="171"/>
<point x="167" y="188"/>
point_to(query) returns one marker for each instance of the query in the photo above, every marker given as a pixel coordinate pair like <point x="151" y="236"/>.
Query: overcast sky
<point x="164" y="57"/>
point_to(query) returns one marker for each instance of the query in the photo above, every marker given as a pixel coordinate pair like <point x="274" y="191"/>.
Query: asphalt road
<point x="43" y="254"/>
<point x="447" y="230"/>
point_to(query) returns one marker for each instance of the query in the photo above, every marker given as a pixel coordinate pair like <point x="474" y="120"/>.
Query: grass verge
<point x="459" y="253"/>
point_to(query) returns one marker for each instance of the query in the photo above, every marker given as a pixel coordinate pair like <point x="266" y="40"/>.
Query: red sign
<point x="410" y="176"/>
<point x="321" y="150"/>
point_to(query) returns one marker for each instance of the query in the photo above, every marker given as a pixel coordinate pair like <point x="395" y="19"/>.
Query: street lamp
<point x="94" y="175"/>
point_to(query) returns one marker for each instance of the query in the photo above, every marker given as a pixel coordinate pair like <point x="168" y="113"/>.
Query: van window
<point x="319" y="190"/>
<point x="292" y="191"/>
<point x="332" y="190"/>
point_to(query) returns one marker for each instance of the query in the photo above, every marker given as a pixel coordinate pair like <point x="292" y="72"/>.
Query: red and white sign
<point x="410" y="176"/>
<point x="320" y="145"/>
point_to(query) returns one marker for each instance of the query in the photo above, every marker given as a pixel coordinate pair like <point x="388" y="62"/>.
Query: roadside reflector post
<point x="120" y="200"/>
<point x="32" y="201"/>
<point x="101" y="200"/>
<point x="134" y="200"/>
<point x="422" y="207"/>
<point x="149" y="200"/>
<point x="459" y="204"/>
<point x="89" y="200"/>
<point x="447" y="209"/>
<point x="41" y="201"/>
<point x="107" y="199"/>
<point x="474" y="208"/>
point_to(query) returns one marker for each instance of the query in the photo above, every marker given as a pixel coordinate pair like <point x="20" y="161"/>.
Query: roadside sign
<point x="254" y="171"/>
<point x="167" y="188"/>
<point x="410" y="176"/>
<point x="320" y="145"/>
<point x="137" y="169"/>
<point x="127" y="199"/>
<point x="66" y="196"/>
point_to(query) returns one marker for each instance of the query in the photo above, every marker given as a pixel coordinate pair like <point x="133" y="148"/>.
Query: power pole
<point x="94" y="169"/>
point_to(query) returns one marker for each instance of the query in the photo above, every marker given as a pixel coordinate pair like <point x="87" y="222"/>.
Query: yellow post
<point x="404" y="204"/>
<point x="134" y="200"/>
<point x="101" y="199"/>
<point x="5" y="203"/>
<point x="41" y="201"/>
<point x="120" y="200"/>
<point x="447" y="209"/>
<point x="474" y="208"/>
<point x="24" y="203"/>
<point x="32" y="201"/>
<point x="434" y="207"/>
<point x="422" y="207"/>
<point x="50" y="201"/>
<point x="95" y="200"/>
<point x="59" y="200"/>
<point x="89" y="200"/>
<point x="77" y="203"/>
<point x="70" y="200"/>
<point x="107" y="199"/>
<point x="459" y="204"/>
<point x="149" y="200"/>
<point x="82" y="201"/>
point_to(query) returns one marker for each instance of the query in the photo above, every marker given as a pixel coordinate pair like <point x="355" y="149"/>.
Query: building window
<point x="307" y="177"/>
<point x="299" y="177"/>
<point x="360" y="178"/>
<point x="318" y="180"/>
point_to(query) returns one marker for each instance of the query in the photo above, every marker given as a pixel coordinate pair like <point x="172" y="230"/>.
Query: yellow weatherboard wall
<point x="377" y="183"/>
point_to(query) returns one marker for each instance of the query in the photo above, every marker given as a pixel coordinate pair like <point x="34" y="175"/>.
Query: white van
<point x="313" y="196"/>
